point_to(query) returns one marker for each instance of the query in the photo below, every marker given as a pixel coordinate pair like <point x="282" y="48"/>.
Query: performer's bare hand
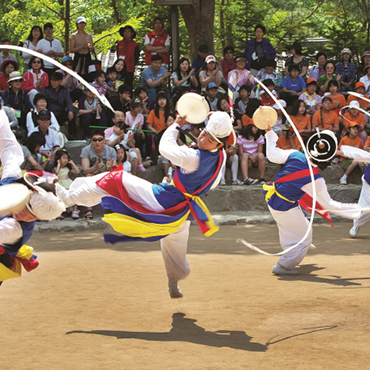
<point x="268" y="128"/>
<point x="181" y="121"/>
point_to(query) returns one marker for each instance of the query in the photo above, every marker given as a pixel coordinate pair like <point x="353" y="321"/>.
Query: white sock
<point x="344" y="177"/>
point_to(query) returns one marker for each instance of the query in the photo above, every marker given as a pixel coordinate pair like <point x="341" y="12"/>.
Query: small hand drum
<point x="13" y="197"/>
<point x="264" y="117"/>
<point x="194" y="107"/>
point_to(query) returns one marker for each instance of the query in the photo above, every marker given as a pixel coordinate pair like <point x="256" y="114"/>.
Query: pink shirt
<point x="250" y="146"/>
<point x="136" y="122"/>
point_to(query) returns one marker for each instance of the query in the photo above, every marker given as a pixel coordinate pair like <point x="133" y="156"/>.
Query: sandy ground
<point x="94" y="306"/>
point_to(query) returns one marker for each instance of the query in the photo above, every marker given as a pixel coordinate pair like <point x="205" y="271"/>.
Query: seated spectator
<point x="242" y="101"/>
<point x="323" y="81"/>
<point x="122" y="101"/>
<point x="339" y="101"/>
<point x="265" y="97"/>
<point x="223" y="106"/>
<point x="281" y="119"/>
<point x="211" y="96"/>
<point x="258" y="50"/>
<point x="97" y="158"/>
<point x="41" y="104"/>
<point x="120" y="67"/>
<point x="135" y="121"/>
<point x="91" y="113"/>
<point x="269" y="72"/>
<point x="239" y="76"/>
<point x="141" y="94"/>
<point x="35" y="79"/>
<point x="360" y="89"/>
<point x="183" y="76"/>
<point x="5" y="53"/>
<point x="298" y="59"/>
<point x="347" y="70"/>
<point x="123" y="158"/>
<point x="289" y="139"/>
<point x="211" y="73"/>
<point x="60" y="103"/>
<point x="7" y="67"/>
<point x="195" y="130"/>
<point x="199" y="62"/>
<point x="365" y="61"/>
<point x="157" y="42"/>
<point x="13" y="120"/>
<point x="33" y="38"/>
<point x="17" y="99"/>
<point x="354" y="115"/>
<point x="69" y="82"/>
<point x="154" y="77"/>
<point x="129" y="51"/>
<point x="99" y="83"/>
<point x="50" y="47"/>
<point x="112" y="83"/>
<point x="32" y="157"/>
<point x="292" y="85"/>
<point x="52" y="143"/>
<point x="252" y="106"/>
<point x="81" y="45"/>
<point x="325" y="118"/>
<point x="318" y="70"/>
<point x="228" y="63"/>
<point x="310" y="98"/>
<point x="301" y="119"/>
<point x="365" y="80"/>
<point x="349" y="164"/>
<point x="250" y="143"/>
<point x="126" y="139"/>
<point x="232" y="158"/>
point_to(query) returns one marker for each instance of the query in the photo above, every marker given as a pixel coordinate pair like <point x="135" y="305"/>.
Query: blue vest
<point x="290" y="189"/>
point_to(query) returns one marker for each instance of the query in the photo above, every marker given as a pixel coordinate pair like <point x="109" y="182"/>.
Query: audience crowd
<point x="44" y="104"/>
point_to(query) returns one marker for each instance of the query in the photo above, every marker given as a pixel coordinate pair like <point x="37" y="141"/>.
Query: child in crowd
<point x="349" y="164"/>
<point x="242" y="100"/>
<point x="143" y="96"/>
<point x="123" y="158"/>
<point x="281" y="118"/>
<point x="32" y="157"/>
<point x="233" y="160"/>
<point x="63" y="164"/>
<point x="310" y="98"/>
<point x="99" y="83"/>
<point x="195" y="131"/>
<point x="301" y="119"/>
<point x="253" y="105"/>
<point x="293" y="85"/>
<point x="250" y="143"/>
<point x="354" y="115"/>
<point x="266" y="99"/>
<point x="91" y="113"/>
<point x="339" y="101"/>
<point x="126" y="139"/>
<point x="112" y="83"/>
<point x="325" y="118"/>
<point x="289" y="139"/>
<point x="360" y="89"/>
<point x="223" y="106"/>
<point x="211" y="96"/>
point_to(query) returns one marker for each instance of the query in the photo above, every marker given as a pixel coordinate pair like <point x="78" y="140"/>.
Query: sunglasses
<point x="36" y="62"/>
<point x="95" y="140"/>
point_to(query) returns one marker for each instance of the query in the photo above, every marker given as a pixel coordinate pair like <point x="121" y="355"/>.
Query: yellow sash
<point x="270" y="188"/>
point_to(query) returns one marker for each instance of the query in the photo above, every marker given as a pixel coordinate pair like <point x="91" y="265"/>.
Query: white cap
<point x="219" y="125"/>
<point x="210" y="58"/>
<point x="354" y="104"/>
<point x="282" y="102"/>
<point x="80" y="20"/>
<point x="346" y="51"/>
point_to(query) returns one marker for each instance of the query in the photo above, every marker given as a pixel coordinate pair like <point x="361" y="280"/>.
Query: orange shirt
<point x="328" y="120"/>
<point x="303" y="123"/>
<point x="158" y="124"/>
<point x="356" y="142"/>
<point x="285" y="144"/>
<point x="360" y="119"/>
<point x="246" y="120"/>
<point x="368" y="141"/>
<point x="338" y="99"/>
<point x="363" y="103"/>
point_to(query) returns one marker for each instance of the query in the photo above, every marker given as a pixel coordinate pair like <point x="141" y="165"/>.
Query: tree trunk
<point x="66" y="26"/>
<point x="116" y="12"/>
<point x="222" y="22"/>
<point x="199" y="20"/>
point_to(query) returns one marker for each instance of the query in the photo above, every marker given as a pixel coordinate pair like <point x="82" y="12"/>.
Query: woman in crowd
<point x="34" y="37"/>
<point x="120" y="67"/>
<point x="129" y="51"/>
<point x="323" y="81"/>
<point x="298" y="58"/>
<point x="318" y="70"/>
<point x="210" y="74"/>
<point x="258" y="50"/>
<point x="81" y="44"/>
<point x="347" y="70"/>
<point x="7" y="67"/>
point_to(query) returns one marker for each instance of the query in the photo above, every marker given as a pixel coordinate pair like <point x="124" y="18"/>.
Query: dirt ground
<point x="94" y="306"/>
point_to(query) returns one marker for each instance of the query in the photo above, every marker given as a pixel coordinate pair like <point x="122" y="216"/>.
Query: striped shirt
<point x="250" y="146"/>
